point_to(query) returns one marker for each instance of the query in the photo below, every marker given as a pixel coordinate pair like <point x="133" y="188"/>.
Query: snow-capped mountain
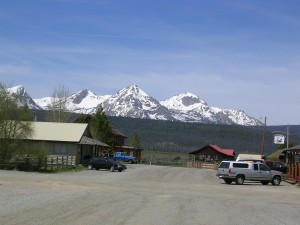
<point x="134" y="102"/>
<point x="23" y="97"/>
<point x="190" y="108"/>
<point x="43" y="102"/>
<point x="83" y="101"/>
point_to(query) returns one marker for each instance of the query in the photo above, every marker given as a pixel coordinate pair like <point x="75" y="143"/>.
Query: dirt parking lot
<point x="143" y="195"/>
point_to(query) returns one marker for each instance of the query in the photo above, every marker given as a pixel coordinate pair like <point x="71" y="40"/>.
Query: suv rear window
<point x="240" y="165"/>
<point x="224" y="165"/>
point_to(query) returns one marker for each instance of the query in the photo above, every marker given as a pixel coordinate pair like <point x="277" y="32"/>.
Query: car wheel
<point x="228" y="181"/>
<point x="120" y="170"/>
<point x="130" y="162"/>
<point x="276" y="180"/>
<point x="90" y="167"/>
<point x="112" y="169"/>
<point x="264" y="182"/>
<point x="239" y="180"/>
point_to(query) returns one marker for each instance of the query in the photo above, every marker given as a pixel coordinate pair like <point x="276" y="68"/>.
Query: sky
<point x="232" y="54"/>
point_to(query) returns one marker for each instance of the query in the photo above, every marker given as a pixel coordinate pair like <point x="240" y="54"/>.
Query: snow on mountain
<point x="43" y="102"/>
<point x="134" y="102"/>
<point x="240" y="117"/>
<point x="85" y="101"/>
<point x="187" y="107"/>
<point x="190" y="108"/>
<point x="23" y="97"/>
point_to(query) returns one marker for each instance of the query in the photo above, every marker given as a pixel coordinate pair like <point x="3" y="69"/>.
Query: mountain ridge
<point x="135" y="103"/>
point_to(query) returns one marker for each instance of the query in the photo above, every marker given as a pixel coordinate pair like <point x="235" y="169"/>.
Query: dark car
<point x="279" y="166"/>
<point x="103" y="163"/>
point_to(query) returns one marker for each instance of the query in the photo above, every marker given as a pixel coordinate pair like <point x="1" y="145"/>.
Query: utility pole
<point x="287" y="136"/>
<point x="263" y="138"/>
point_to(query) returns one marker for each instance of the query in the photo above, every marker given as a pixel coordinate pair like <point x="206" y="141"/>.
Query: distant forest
<point x="175" y="136"/>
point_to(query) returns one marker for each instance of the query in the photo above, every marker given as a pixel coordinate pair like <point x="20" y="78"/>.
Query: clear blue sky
<point x="232" y="54"/>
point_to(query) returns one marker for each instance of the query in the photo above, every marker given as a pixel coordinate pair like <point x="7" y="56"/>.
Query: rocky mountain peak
<point x="186" y="100"/>
<point x="132" y="90"/>
<point x="134" y="102"/>
<point x="79" y="96"/>
<point x="23" y="97"/>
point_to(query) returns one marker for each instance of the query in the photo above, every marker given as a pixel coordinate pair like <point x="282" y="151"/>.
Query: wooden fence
<point x="59" y="161"/>
<point x="181" y="163"/>
<point x="51" y="162"/>
<point x="201" y="165"/>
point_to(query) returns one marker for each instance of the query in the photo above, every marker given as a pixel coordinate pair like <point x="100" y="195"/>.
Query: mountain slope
<point x="190" y="108"/>
<point x="135" y="103"/>
<point x="23" y="97"/>
<point x="85" y="101"/>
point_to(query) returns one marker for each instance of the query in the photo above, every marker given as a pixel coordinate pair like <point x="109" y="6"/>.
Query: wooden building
<point x="292" y="157"/>
<point x="212" y="153"/>
<point x="89" y="148"/>
<point x="119" y="137"/>
<point x="121" y="147"/>
<point x="63" y="139"/>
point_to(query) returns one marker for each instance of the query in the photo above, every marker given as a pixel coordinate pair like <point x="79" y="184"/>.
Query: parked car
<point x="279" y="166"/>
<point x="121" y="156"/>
<point x="104" y="163"/>
<point x="238" y="172"/>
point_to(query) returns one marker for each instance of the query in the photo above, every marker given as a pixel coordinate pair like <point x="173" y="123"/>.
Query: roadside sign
<point x="279" y="139"/>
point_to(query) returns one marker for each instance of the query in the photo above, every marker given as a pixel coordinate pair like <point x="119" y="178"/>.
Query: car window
<point x="224" y="165"/>
<point x="240" y="165"/>
<point x="263" y="167"/>
<point x="268" y="163"/>
<point x="255" y="166"/>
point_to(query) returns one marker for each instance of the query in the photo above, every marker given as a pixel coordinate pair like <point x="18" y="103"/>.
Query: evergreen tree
<point x="101" y="129"/>
<point x="83" y="119"/>
<point x="135" y="141"/>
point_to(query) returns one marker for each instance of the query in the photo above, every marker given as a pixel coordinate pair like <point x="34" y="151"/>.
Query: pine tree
<point x="100" y="127"/>
<point x="135" y="141"/>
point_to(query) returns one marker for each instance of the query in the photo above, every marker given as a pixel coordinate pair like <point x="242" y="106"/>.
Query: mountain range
<point x="135" y="103"/>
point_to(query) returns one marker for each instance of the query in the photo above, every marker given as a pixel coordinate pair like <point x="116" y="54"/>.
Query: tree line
<point x="176" y="136"/>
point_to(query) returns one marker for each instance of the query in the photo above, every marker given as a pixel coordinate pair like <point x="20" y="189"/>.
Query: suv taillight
<point x="229" y="171"/>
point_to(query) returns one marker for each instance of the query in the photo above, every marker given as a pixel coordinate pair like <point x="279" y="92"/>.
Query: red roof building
<point x="212" y="153"/>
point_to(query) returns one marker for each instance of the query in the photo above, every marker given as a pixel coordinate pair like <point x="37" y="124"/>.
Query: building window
<point x="60" y="149"/>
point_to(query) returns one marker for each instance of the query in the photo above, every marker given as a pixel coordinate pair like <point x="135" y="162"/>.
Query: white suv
<point x="255" y="171"/>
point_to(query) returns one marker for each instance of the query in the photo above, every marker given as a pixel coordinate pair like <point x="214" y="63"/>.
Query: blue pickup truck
<point x="121" y="156"/>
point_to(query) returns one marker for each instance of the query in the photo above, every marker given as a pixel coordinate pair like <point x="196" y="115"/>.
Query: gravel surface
<point x="144" y="194"/>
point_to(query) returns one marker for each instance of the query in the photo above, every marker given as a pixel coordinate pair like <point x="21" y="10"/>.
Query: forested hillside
<point x="185" y="137"/>
<point x="174" y="136"/>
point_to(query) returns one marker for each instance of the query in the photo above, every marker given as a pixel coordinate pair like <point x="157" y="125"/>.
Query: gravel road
<point x="143" y="195"/>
